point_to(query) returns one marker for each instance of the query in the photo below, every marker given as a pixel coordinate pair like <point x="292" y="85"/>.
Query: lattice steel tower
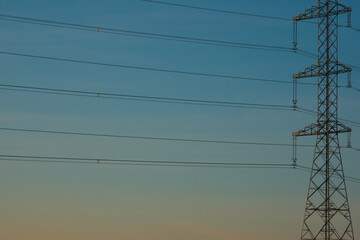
<point x="327" y="214"/>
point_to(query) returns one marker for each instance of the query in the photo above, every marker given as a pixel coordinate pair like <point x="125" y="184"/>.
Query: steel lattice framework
<point x="327" y="214"/>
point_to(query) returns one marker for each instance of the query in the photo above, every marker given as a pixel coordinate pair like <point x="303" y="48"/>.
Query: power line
<point x="78" y="93"/>
<point x="314" y="113"/>
<point x="155" y="69"/>
<point x="159" y="70"/>
<point x="91" y="28"/>
<point x="218" y="10"/>
<point x="126" y="162"/>
<point x="145" y="36"/>
<point x="150" y="138"/>
<point x="149" y="68"/>
<point x="351" y="27"/>
<point x="356" y="68"/>
<point x="354" y="88"/>
<point x="308" y="169"/>
<point x="168" y="37"/>
<point x="140" y="164"/>
<point x="212" y="141"/>
<point x="146" y="100"/>
<point x="314" y="56"/>
<point x="143" y="97"/>
<point x="237" y="13"/>
<point x="162" y="70"/>
<point x="131" y="161"/>
<point x="305" y="169"/>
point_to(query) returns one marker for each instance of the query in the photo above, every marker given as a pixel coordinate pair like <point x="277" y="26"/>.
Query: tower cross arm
<point x="342" y="128"/>
<point x="315" y="70"/>
<point x="309" y="130"/>
<point x="315" y="11"/>
<point x="317" y="129"/>
<point x="311" y="71"/>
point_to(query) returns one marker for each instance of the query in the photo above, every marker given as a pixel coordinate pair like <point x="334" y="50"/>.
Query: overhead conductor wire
<point x="154" y="163"/>
<point x="83" y="27"/>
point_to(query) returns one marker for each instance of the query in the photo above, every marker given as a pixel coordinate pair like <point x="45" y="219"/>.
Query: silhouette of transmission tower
<point x="327" y="214"/>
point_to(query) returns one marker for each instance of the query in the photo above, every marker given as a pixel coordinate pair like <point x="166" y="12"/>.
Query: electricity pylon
<point x="327" y="214"/>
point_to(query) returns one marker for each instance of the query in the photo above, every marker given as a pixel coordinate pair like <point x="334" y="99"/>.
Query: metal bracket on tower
<point x="318" y="69"/>
<point x="318" y="128"/>
<point x="318" y="10"/>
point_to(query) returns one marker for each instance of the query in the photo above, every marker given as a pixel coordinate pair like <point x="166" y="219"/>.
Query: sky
<point x="98" y="201"/>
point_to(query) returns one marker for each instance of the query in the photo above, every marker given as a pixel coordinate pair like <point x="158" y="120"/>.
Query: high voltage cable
<point x="83" y="27"/>
<point x="78" y="93"/>
<point x="347" y="177"/>
<point x="155" y="69"/>
<point x="163" y="99"/>
<point x="314" y="56"/>
<point x="142" y="97"/>
<point x="218" y="10"/>
<point x="306" y="53"/>
<point x="237" y="13"/>
<point x="356" y="68"/>
<point x="76" y="26"/>
<point x="351" y="27"/>
<point x="197" y="40"/>
<point x="314" y="113"/>
<point x="126" y="162"/>
<point x="141" y="164"/>
<point x="132" y="161"/>
<point x="149" y="68"/>
<point x="147" y="100"/>
<point x="355" y="88"/>
<point x="145" y="36"/>
<point x="156" y="138"/>
<point x="151" y="138"/>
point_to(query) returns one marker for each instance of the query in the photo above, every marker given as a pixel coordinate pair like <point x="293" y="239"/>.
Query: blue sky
<point x="60" y="201"/>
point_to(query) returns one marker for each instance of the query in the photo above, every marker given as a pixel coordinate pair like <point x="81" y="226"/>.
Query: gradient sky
<point x="93" y="202"/>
